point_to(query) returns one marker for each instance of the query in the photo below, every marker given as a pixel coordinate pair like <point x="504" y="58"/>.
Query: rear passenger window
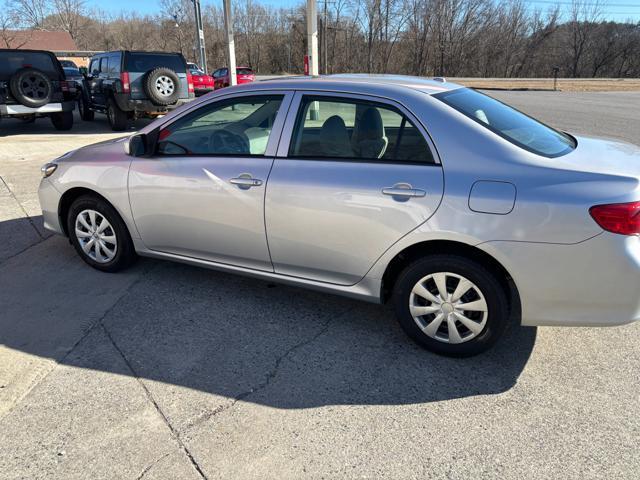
<point x="329" y="127"/>
<point x="114" y="66"/>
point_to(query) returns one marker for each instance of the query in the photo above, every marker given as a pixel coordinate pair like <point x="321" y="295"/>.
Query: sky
<point x="619" y="10"/>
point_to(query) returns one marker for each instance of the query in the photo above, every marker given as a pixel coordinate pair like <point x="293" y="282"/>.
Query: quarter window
<point x="239" y="126"/>
<point x="509" y="123"/>
<point x="329" y="127"/>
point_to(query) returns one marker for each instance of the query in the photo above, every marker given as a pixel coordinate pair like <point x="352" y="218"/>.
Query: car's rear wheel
<point x="117" y="118"/>
<point x="99" y="235"/>
<point x="62" y="120"/>
<point x="451" y="305"/>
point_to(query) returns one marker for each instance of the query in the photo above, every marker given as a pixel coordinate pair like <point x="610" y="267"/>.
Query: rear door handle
<point x="403" y="190"/>
<point x="246" y="181"/>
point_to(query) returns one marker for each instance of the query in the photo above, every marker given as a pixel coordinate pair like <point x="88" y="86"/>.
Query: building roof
<point x="38" y="40"/>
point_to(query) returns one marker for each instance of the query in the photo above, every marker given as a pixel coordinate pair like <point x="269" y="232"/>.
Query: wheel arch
<point x="67" y="199"/>
<point x="437" y="247"/>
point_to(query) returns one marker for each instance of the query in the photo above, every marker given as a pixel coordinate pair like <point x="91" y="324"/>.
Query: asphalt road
<point x="168" y="371"/>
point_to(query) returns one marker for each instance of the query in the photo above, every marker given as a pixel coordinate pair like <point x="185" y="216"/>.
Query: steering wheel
<point x="224" y="141"/>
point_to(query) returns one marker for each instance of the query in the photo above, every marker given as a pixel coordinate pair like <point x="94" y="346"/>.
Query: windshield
<point x="509" y="123"/>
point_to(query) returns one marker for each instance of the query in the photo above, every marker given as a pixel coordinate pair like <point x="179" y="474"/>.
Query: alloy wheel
<point x="165" y="86"/>
<point x="96" y="236"/>
<point x="448" y="307"/>
<point x="34" y="87"/>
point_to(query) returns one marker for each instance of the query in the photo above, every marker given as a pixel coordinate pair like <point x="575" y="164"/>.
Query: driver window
<point x="238" y="126"/>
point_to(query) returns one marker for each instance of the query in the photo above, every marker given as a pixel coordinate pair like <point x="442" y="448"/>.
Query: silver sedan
<point x="462" y="211"/>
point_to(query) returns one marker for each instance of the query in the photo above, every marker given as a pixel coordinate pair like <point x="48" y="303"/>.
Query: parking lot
<point x="168" y="371"/>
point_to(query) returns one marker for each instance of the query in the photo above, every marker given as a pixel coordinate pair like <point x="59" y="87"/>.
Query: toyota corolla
<point x="463" y="212"/>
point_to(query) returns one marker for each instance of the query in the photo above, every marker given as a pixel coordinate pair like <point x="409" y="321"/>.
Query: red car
<point x="243" y="75"/>
<point x="202" y="83"/>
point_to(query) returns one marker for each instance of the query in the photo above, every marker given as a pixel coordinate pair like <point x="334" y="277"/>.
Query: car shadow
<point x="43" y="126"/>
<point x="234" y="336"/>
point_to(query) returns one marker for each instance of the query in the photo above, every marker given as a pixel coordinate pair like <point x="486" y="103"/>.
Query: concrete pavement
<point x="169" y="371"/>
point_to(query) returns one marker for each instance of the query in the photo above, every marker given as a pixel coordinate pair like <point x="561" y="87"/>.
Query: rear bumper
<point x="17" y="109"/>
<point x="128" y="104"/>
<point x="592" y="283"/>
<point x="202" y="91"/>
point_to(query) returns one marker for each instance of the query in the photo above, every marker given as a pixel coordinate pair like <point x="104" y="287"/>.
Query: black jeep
<point x="127" y="84"/>
<point x="32" y="85"/>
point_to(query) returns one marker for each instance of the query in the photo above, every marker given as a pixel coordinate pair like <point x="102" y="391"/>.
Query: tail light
<point x="190" y="83"/>
<point x="621" y="218"/>
<point x="124" y="80"/>
<point x="64" y="85"/>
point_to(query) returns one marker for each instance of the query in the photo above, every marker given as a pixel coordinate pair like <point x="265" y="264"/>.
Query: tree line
<point x="474" y="38"/>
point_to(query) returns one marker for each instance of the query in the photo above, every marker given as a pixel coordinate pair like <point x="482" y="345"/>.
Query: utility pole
<point x="231" y="46"/>
<point x="324" y="40"/>
<point x="312" y="36"/>
<point x="200" y="36"/>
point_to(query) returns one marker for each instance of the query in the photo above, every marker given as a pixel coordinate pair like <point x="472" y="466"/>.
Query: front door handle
<point x="403" y="190"/>
<point x="246" y="181"/>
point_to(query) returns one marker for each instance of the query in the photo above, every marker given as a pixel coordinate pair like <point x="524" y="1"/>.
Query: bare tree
<point x="417" y="37"/>
<point x="584" y="14"/>
<point x="9" y="36"/>
<point x="29" y="13"/>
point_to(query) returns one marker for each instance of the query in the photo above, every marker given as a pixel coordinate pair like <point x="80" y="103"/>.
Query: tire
<point x="117" y="118"/>
<point x="116" y="236"/>
<point x="486" y="327"/>
<point x="62" y="120"/>
<point x="86" y="114"/>
<point x="31" y="87"/>
<point x="162" y="86"/>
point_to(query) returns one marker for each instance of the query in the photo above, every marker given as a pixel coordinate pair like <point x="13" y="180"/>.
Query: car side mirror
<point x="136" y="145"/>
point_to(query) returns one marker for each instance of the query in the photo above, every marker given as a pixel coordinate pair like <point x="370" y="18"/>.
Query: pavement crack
<point x="270" y="376"/>
<point x="89" y="330"/>
<point x="174" y="433"/>
<point x="151" y="465"/>
<point x="13" y="255"/>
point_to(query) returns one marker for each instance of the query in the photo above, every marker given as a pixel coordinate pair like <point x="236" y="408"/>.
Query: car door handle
<point x="403" y="190"/>
<point x="246" y="181"/>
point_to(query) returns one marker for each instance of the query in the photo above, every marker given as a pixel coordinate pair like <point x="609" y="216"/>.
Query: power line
<point x="586" y="4"/>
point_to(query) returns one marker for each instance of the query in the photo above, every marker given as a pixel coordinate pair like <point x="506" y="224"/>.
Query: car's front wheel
<point x="451" y="305"/>
<point x="99" y="235"/>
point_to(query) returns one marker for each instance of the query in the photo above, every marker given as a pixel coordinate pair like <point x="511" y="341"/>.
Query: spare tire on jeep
<point x="31" y="87"/>
<point x="162" y="86"/>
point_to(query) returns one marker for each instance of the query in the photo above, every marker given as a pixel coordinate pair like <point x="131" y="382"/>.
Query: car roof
<point x="154" y="52"/>
<point x="362" y="81"/>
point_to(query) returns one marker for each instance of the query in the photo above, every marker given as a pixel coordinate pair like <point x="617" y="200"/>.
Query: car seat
<point x="369" y="139"/>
